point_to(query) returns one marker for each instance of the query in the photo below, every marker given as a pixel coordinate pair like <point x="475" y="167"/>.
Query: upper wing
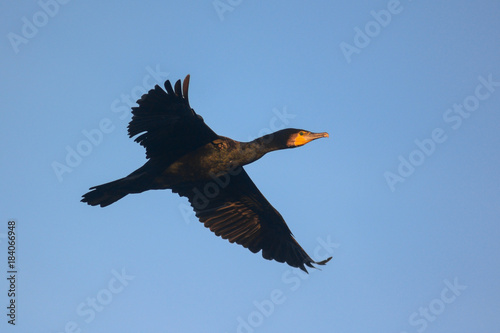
<point x="232" y="207"/>
<point x="169" y="127"/>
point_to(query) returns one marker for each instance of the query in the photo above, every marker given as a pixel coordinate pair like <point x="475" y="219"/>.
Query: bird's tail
<point x="108" y="193"/>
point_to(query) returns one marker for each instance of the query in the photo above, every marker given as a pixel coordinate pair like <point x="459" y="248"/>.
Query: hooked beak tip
<point x="314" y="136"/>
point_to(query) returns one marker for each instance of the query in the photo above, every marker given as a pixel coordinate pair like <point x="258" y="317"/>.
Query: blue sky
<point x="404" y="194"/>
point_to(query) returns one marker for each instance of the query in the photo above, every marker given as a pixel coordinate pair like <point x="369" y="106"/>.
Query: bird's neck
<point x="253" y="150"/>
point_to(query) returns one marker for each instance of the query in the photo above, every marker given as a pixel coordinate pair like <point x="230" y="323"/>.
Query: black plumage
<point x="189" y="158"/>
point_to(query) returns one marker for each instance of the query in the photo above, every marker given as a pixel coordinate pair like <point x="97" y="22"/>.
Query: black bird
<point x="186" y="156"/>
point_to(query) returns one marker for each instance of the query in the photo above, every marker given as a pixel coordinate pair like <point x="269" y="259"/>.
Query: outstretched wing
<point x="167" y="125"/>
<point x="232" y="207"/>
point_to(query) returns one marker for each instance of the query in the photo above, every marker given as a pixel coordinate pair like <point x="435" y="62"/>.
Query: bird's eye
<point x="301" y="133"/>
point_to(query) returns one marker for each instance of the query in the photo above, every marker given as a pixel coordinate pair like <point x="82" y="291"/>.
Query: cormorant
<point x="186" y="156"/>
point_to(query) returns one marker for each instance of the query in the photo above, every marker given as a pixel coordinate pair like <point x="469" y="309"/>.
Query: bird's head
<point x="298" y="137"/>
<point x="288" y="138"/>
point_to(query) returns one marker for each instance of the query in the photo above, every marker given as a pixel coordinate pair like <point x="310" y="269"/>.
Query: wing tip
<point x="323" y="262"/>
<point x="178" y="89"/>
<point x="311" y="262"/>
<point x="185" y="87"/>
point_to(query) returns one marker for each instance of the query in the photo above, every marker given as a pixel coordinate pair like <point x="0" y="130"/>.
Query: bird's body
<point x="213" y="159"/>
<point x="186" y="156"/>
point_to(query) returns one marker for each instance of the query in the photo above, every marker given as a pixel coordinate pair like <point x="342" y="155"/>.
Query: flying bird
<point x="187" y="157"/>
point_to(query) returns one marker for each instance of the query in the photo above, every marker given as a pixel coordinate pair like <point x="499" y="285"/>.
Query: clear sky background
<point x="404" y="194"/>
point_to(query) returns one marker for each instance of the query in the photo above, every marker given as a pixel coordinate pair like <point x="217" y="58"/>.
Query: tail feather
<point x="105" y="194"/>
